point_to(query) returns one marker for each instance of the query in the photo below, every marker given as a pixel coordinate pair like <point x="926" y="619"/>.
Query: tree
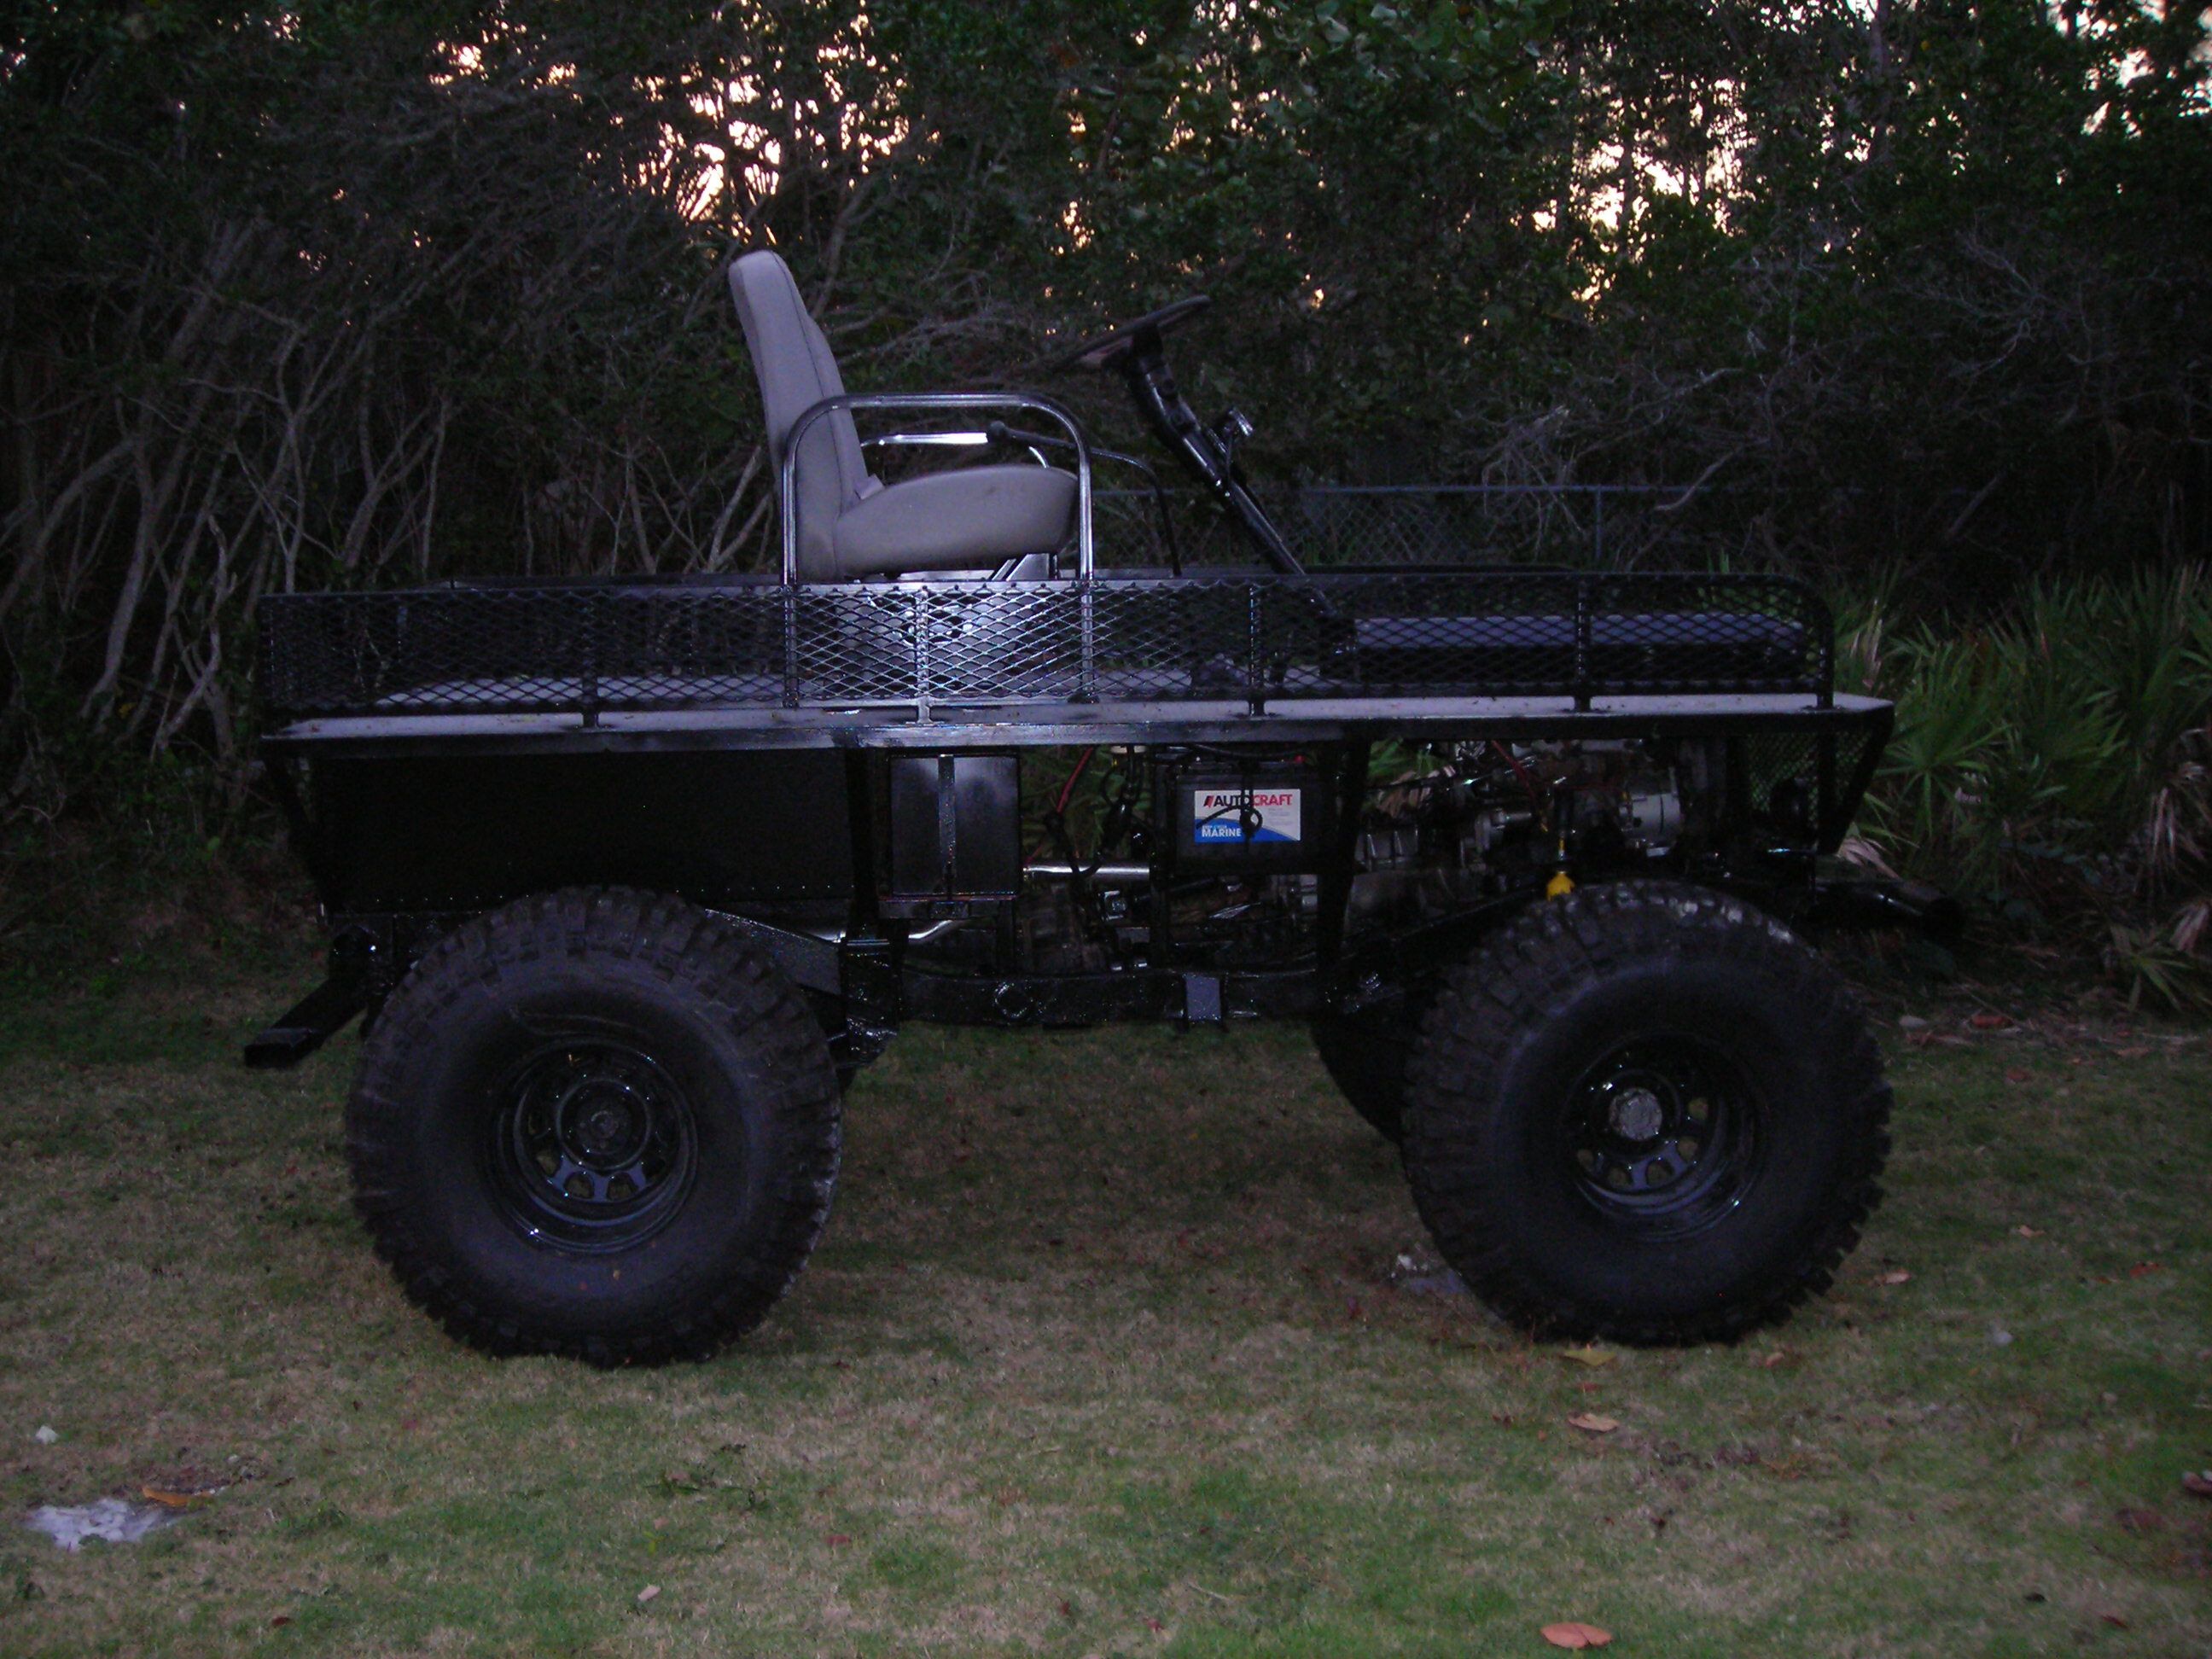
<point x="386" y="292"/>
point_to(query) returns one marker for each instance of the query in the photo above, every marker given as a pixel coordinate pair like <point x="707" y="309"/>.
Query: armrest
<point x="929" y="440"/>
<point x="1141" y="467"/>
<point x="787" y="477"/>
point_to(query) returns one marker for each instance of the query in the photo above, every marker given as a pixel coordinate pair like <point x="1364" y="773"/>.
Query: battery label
<point x="1244" y="817"/>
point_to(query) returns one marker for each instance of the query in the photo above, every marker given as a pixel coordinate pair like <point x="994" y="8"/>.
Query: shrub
<point x="2052" y="763"/>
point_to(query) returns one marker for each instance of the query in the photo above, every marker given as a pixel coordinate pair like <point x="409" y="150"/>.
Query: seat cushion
<point x="966" y="519"/>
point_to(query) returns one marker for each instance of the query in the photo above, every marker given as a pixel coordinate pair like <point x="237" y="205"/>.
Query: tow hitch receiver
<point x="323" y="1011"/>
<point x="321" y="1015"/>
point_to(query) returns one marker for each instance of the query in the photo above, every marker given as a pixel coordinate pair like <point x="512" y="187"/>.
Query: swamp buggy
<point x="630" y="878"/>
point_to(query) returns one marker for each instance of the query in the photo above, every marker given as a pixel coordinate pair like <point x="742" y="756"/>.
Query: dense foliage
<point x="373" y="292"/>
<point x="2053" y="767"/>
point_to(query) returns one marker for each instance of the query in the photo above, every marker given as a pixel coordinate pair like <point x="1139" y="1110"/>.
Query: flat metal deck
<point x="1057" y="725"/>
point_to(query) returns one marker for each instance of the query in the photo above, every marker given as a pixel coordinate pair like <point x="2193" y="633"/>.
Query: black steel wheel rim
<point x="592" y="1146"/>
<point x="1664" y="1135"/>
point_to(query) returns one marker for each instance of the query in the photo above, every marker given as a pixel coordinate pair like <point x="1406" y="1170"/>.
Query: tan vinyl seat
<point x="850" y="525"/>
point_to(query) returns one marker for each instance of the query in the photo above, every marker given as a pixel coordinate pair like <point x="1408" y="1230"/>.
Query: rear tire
<point x="1645" y="1112"/>
<point x="1366" y="1057"/>
<point x="596" y="1123"/>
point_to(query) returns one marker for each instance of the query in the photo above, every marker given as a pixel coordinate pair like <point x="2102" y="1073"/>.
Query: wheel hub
<point x="1660" y="1133"/>
<point x="600" y="1120"/>
<point x="592" y="1146"/>
<point x="1636" y="1114"/>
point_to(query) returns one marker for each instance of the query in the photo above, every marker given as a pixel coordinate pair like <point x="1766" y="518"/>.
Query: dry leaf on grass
<point x="2028" y="1232"/>
<point x="1592" y="1355"/>
<point x="2197" y="1485"/>
<point x="1574" y="1634"/>
<point x="2019" y="1074"/>
<point x="173" y="1500"/>
<point x="2145" y="1269"/>
<point x="647" y="1593"/>
<point x="1591" y="1423"/>
<point x="1990" y="1022"/>
<point x="1894" y="1276"/>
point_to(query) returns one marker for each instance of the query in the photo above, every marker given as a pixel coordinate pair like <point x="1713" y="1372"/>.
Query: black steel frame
<point x="866" y="984"/>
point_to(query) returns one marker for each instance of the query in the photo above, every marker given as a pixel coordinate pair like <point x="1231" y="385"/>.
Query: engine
<point x="1477" y="821"/>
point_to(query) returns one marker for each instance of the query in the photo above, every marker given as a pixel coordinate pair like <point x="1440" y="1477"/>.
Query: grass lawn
<point x="1100" y="1356"/>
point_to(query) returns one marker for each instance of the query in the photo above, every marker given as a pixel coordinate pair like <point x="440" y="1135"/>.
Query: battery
<point x="1270" y="818"/>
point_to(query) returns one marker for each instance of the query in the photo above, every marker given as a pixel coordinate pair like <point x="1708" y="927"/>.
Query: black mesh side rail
<point x="1806" y="783"/>
<point x="1262" y="639"/>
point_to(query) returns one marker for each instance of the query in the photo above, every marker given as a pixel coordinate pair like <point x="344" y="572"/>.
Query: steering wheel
<point x="1108" y="350"/>
<point x="1134" y="349"/>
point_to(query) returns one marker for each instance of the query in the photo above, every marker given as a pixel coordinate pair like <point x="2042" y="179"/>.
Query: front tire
<point x="596" y="1123"/>
<point x="1646" y="1112"/>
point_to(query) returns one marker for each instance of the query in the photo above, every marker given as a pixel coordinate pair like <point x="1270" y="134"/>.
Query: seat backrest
<point x="796" y="371"/>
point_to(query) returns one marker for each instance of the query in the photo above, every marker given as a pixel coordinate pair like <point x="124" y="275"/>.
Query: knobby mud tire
<point x="1544" y="1063"/>
<point x="636" y="1015"/>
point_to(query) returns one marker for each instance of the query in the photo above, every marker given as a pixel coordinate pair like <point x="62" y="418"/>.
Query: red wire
<point x="1073" y="778"/>
<point x="1535" y="799"/>
<point x="1068" y="789"/>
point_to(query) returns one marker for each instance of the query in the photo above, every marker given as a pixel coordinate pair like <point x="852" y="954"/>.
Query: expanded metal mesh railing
<point x="1256" y="640"/>
<point x="1812" y="780"/>
<point x="1588" y="526"/>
